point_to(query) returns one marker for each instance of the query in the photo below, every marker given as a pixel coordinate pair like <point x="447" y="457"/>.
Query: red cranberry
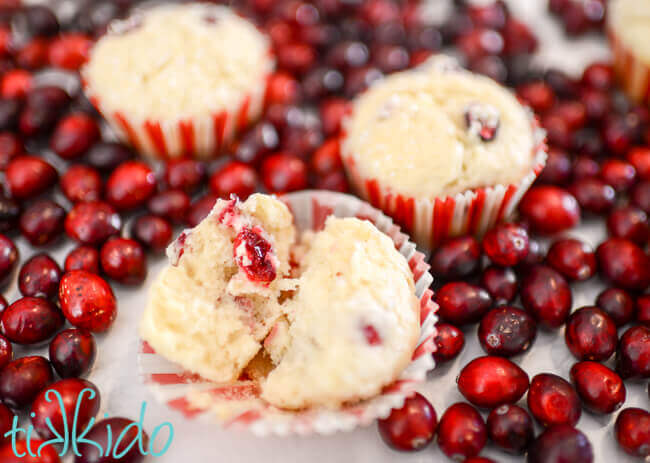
<point x="449" y="342"/>
<point x="30" y="320"/>
<point x="550" y="209"/>
<point x="599" y="76"/>
<point x="479" y="43"/>
<point x="69" y="51"/>
<point x="42" y="222"/>
<point x="37" y="21"/>
<point x="574" y="114"/>
<point x="619" y="174"/>
<point x="92" y="223"/>
<point x="28" y="176"/>
<point x="124" y="260"/>
<point x="16" y="83"/>
<point x="511" y="428"/>
<point x="130" y="185"/>
<point x="643" y="309"/>
<point x="640" y="196"/>
<point x="591" y="334"/>
<point x="43" y="107"/>
<point x="410" y="427"/>
<point x="492" y="14"/>
<point x="9" y="111"/>
<point x="546" y="295"/>
<point x="184" y="174"/>
<point x="255" y="144"/>
<point x="585" y="167"/>
<point x="321" y="82"/>
<point x="618" y="304"/>
<point x="506" y="331"/>
<point x="72" y="352"/>
<point x="359" y="79"/>
<point x="630" y="223"/>
<point x="639" y="157"/>
<point x="6" y="422"/>
<point x="234" y="178"/>
<point x="170" y="204"/>
<point x="6" y="356"/>
<point x="462" y="303"/>
<point x="327" y="158"/>
<point x="296" y="57"/>
<point x="200" y="209"/>
<point x="560" y="443"/>
<point x="282" y="88"/>
<point x="81" y="183"/>
<point x="87" y="301"/>
<point x="500" y="283"/>
<point x="491" y="381"/>
<point x="82" y="258"/>
<point x="22" y="379"/>
<point x="284" y="172"/>
<point x="152" y="232"/>
<point x="49" y="453"/>
<point x="334" y="181"/>
<point x="107" y="156"/>
<point x="9" y="213"/>
<point x="74" y="135"/>
<point x="558" y="167"/>
<point x="632" y="431"/>
<point x="572" y="258"/>
<point x="104" y="433"/>
<point x="461" y="432"/>
<point x="390" y="58"/>
<point x="552" y="400"/>
<point x="456" y="258"/>
<point x="597" y="103"/>
<point x="519" y="39"/>
<point x="10" y="147"/>
<point x="8" y="256"/>
<point x="593" y="195"/>
<point x="558" y="131"/>
<point x="39" y="276"/>
<point x="506" y="244"/>
<point x="624" y="263"/>
<point x="332" y="112"/>
<point x="617" y="135"/>
<point x="601" y="390"/>
<point x="633" y="355"/>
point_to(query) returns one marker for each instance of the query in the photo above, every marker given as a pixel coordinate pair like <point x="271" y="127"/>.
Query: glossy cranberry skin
<point x="500" y="283"/>
<point x="410" y="427"/>
<point x="629" y="222"/>
<point x="170" y="204"/>
<point x="640" y="196"/>
<point x="511" y="428"/>
<point x="456" y="258"/>
<point x="633" y="355"/>
<point x="153" y="232"/>
<point x="327" y="158"/>
<point x="184" y="174"/>
<point x="590" y="334"/>
<point x="104" y="433"/>
<point x="538" y="95"/>
<point x="506" y="244"/>
<point x="9" y="213"/>
<point x="619" y="174"/>
<point x="92" y="223"/>
<point x="599" y="76"/>
<point x="557" y="170"/>
<point x="6" y="353"/>
<point x="506" y="331"/>
<point x="107" y="156"/>
<point x="81" y="183"/>
<point x="553" y="401"/>
<point x="69" y="51"/>
<point x="546" y="295"/>
<point x="82" y="258"/>
<point x="618" y="304"/>
<point x="601" y="389"/>
<point x="6" y="422"/>
<point x="49" y="453"/>
<point x="491" y="381"/>
<point x="593" y="195"/>
<point x="234" y="178"/>
<point x="462" y="303"/>
<point x="16" y="84"/>
<point x="72" y="352"/>
<point x="22" y="379"/>
<point x="632" y="431"/>
<point x="8" y="256"/>
<point x="550" y="209"/>
<point x="30" y="320"/>
<point x="124" y="260"/>
<point x="74" y="135"/>
<point x="560" y="443"/>
<point x="643" y="309"/>
<point x="574" y="259"/>
<point x="282" y="173"/>
<point x="200" y="209"/>
<point x="639" y="157"/>
<point x="461" y="432"/>
<point x="624" y="263"/>
<point x="28" y="176"/>
<point x="42" y="222"/>
<point x="39" y="276"/>
<point x="87" y="301"/>
<point x="130" y="185"/>
<point x="449" y="342"/>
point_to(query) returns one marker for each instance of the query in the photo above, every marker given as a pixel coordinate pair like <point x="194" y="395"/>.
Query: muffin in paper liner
<point x="200" y="134"/>
<point x="239" y="406"/>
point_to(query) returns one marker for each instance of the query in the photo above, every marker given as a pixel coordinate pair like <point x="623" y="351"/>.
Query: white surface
<point x="115" y="372"/>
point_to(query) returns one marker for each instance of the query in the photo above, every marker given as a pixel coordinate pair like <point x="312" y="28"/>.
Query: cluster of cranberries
<point x="580" y="16"/>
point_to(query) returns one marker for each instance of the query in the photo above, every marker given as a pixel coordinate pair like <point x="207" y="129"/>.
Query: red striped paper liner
<point x="430" y="221"/>
<point x="633" y="73"/>
<point x="173" y="386"/>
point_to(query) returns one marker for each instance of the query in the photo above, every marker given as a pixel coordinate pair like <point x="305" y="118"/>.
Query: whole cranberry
<point x="92" y="222"/>
<point x="107" y="156"/>
<point x="104" y="432"/>
<point x="585" y="167"/>
<point x="200" y="209"/>
<point x="511" y="428"/>
<point x="572" y="258"/>
<point x="6" y="422"/>
<point x="618" y="304"/>
<point x="43" y="107"/>
<point x="39" y="276"/>
<point x="256" y="143"/>
<point x="550" y="209"/>
<point x="8" y="256"/>
<point x="538" y="95"/>
<point x="501" y="283"/>
<point x="552" y="400"/>
<point x="462" y="303"/>
<point x="42" y="222"/>
<point x="170" y="204"/>
<point x="624" y="263"/>
<point x="130" y="185"/>
<point x="506" y="331"/>
<point x="506" y="244"/>
<point x="546" y="295"/>
<point x="619" y="174"/>
<point x="601" y="390"/>
<point x="599" y="75"/>
<point x="639" y="157"/>
<point x="449" y="342"/>
<point x="72" y="352"/>
<point x="282" y="88"/>
<point x="10" y="147"/>
<point x="321" y="82"/>
<point x="81" y="183"/>
<point x="49" y="453"/>
<point x="234" y="178"/>
<point x="590" y="334"/>
<point x="327" y="158"/>
<point x="36" y="21"/>
<point x="633" y="355"/>
<point x="6" y="354"/>
<point x="284" y="172"/>
<point x="593" y="195"/>
<point x="617" y="134"/>
<point x="557" y="129"/>
<point x="87" y="301"/>
<point x="629" y="222"/>
<point x="557" y="170"/>
<point x="332" y="112"/>
<point x="124" y="260"/>
<point x="461" y="432"/>
<point x="74" y="135"/>
<point x="643" y="309"/>
<point x="30" y="320"/>
<point x="22" y="379"/>
<point x="16" y="84"/>
<point x="28" y="176"/>
<point x="9" y="213"/>
<point x="153" y="232"/>
<point x="632" y="431"/>
<point x="640" y="196"/>
<point x="184" y="174"/>
<point x="69" y="51"/>
<point x="82" y="258"/>
<point x="410" y="427"/>
<point x="358" y="80"/>
<point x="560" y="443"/>
<point x="491" y="381"/>
<point x="456" y="258"/>
<point x="9" y="111"/>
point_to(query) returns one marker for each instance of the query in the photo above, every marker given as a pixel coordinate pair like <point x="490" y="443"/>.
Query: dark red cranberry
<point x="74" y="135"/>
<point x="597" y="103"/>
<point x="462" y="303"/>
<point x="6" y="422"/>
<point x="546" y="295"/>
<point x="511" y="428"/>
<point x="130" y="185"/>
<point x="585" y="167"/>
<point x="296" y="57"/>
<point x="9" y="112"/>
<point x="558" y="131"/>
<point x="327" y="158"/>
<point x="618" y="304"/>
<point x="640" y="196"/>
<point x="8" y="256"/>
<point x="599" y="76"/>
<point x="619" y="174"/>
<point x="456" y="258"/>
<point x="321" y="82"/>
<point x="506" y="331"/>
<point x="284" y="172"/>
<point x="39" y="276"/>
<point x="506" y="244"/>
<point x="36" y="21"/>
<point x="410" y="427"/>
<point x="552" y="400"/>
<point x="519" y="39"/>
<point x="107" y="156"/>
<point x="390" y="58"/>
<point x="10" y="147"/>
<point x="332" y="112"/>
<point x="258" y="264"/>
<point x="82" y="258"/>
<point x="43" y="107"/>
<point x="28" y="176"/>
<point x="184" y="174"/>
<point x="617" y="134"/>
<point x="501" y="283"/>
<point x="255" y="144"/>
<point x="30" y="320"/>
<point x="572" y="258"/>
<point x="234" y="178"/>
<point x="152" y="232"/>
<point x="104" y="433"/>
<point x="639" y="157"/>
<point x="449" y="342"/>
<point x="591" y="334"/>
<point x="560" y="443"/>
<point x="348" y="54"/>
<point x="92" y="222"/>
<point x="123" y="260"/>
<point x="6" y="356"/>
<point x="643" y="309"/>
<point x="461" y="432"/>
<point x="200" y="209"/>
<point x="601" y="390"/>
<point x="561" y="83"/>
<point x="491" y="381"/>
<point x="558" y="167"/>
<point x="72" y="352"/>
<point x="492" y="14"/>
<point x="633" y="355"/>
<point x="593" y="195"/>
<point x="9" y="213"/>
<point x="573" y="112"/>
<point x="49" y="453"/>
<point x="479" y="43"/>
<point x="334" y="181"/>
<point x="42" y="222"/>
<point x="22" y="379"/>
<point x="624" y="263"/>
<point x="81" y="183"/>
<point x="87" y="301"/>
<point x="550" y="209"/>
<point x="630" y="223"/>
<point x="358" y="80"/>
<point x="170" y="204"/>
<point x="632" y="431"/>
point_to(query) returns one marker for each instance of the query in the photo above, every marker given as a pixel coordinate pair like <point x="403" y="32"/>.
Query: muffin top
<point x="178" y="61"/>
<point x="439" y="130"/>
<point x="631" y="21"/>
